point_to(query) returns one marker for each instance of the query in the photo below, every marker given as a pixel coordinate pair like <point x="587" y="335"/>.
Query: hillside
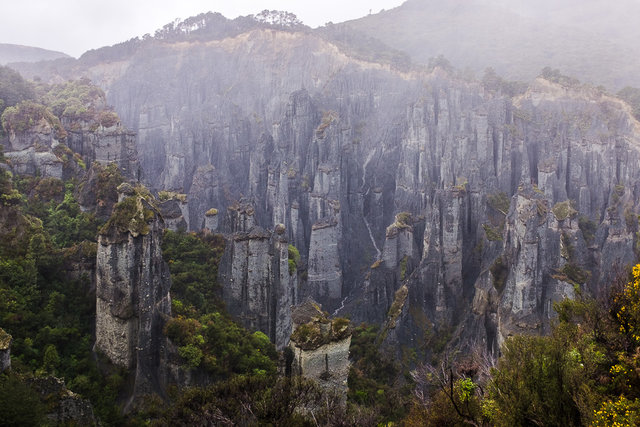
<point x="593" y="41"/>
<point x="17" y="53"/>
<point x="234" y="188"/>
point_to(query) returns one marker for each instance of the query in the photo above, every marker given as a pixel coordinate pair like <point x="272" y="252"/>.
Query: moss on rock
<point x="563" y="210"/>
<point x="319" y="329"/>
<point x="133" y="214"/>
<point x="5" y="340"/>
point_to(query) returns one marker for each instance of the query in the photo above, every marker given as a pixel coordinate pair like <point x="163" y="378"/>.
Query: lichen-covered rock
<point x="5" y="350"/>
<point x="132" y="293"/>
<point x="321" y="347"/>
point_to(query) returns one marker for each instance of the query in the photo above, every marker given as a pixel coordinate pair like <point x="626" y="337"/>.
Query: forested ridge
<point x="585" y="371"/>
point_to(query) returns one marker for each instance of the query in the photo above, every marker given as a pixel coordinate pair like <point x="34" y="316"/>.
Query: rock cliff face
<point x="258" y="286"/>
<point x="106" y="145"/>
<point x="32" y="151"/>
<point x="132" y="289"/>
<point x="509" y="202"/>
<point x="43" y="150"/>
<point x="320" y="347"/>
<point x="5" y="350"/>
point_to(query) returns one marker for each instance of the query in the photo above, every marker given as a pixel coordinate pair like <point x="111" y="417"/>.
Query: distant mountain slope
<point x="18" y="53"/>
<point x="592" y="40"/>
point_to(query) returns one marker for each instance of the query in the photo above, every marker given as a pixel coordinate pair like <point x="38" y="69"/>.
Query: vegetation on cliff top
<point x="133" y="214"/>
<point x="78" y="103"/>
<point x="320" y="330"/>
<point x="27" y="114"/>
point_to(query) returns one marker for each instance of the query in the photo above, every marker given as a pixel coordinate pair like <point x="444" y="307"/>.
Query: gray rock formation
<point x="320" y="347"/>
<point x="325" y="270"/>
<point x="5" y="350"/>
<point x="308" y="135"/>
<point x="175" y="212"/>
<point x="257" y="285"/>
<point x="32" y="151"/>
<point x="211" y="220"/>
<point x="43" y="149"/>
<point x="132" y="290"/>
<point x="105" y="145"/>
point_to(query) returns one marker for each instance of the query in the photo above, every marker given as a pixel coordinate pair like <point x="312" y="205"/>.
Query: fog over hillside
<point x="16" y="53"/>
<point x="419" y="218"/>
<point x="594" y="41"/>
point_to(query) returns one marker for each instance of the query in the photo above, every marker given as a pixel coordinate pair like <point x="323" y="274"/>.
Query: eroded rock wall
<point x="132" y="297"/>
<point x="258" y="286"/>
<point x="334" y="147"/>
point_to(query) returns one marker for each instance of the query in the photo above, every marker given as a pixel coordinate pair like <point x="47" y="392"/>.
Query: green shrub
<point x="564" y="210"/>
<point x="27" y="114"/>
<point x="191" y="354"/>
<point x="130" y="215"/>
<point x="294" y="259"/>
<point x="499" y="202"/>
<point x="20" y="405"/>
<point x="493" y="234"/>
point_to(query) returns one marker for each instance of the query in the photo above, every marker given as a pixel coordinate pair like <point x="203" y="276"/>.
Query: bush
<point x="19" y="404"/>
<point x="564" y="210"/>
<point x="27" y="114"/>
<point x="294" y="259"/>
<point x="493" y="234"/>
<point x="108" y="118"/>
<point x="130" y="215"/>
<point x="191" y="354"/>
<point x="499" y="202"/>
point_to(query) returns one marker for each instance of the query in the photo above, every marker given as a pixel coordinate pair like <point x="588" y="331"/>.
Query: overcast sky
<point x="75" y="26"/>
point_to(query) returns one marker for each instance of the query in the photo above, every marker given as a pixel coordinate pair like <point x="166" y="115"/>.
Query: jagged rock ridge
<point x="333" y="148"/>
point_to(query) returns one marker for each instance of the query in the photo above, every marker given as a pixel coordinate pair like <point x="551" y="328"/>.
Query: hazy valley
<point x="254" y="222"/>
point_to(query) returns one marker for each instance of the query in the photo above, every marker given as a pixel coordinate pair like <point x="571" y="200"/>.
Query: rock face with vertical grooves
<point x="257" y="284"/>
<point x="132" y="290"/>
<point x="106" y="145"/>
<point x="320" y="347"/>
<point x="42" y="150"/>
<point x="285" y="127"/>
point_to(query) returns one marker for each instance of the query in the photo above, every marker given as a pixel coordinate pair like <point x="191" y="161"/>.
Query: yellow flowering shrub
<point x="628" y="307"/>
<point x="617" y="413"/>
